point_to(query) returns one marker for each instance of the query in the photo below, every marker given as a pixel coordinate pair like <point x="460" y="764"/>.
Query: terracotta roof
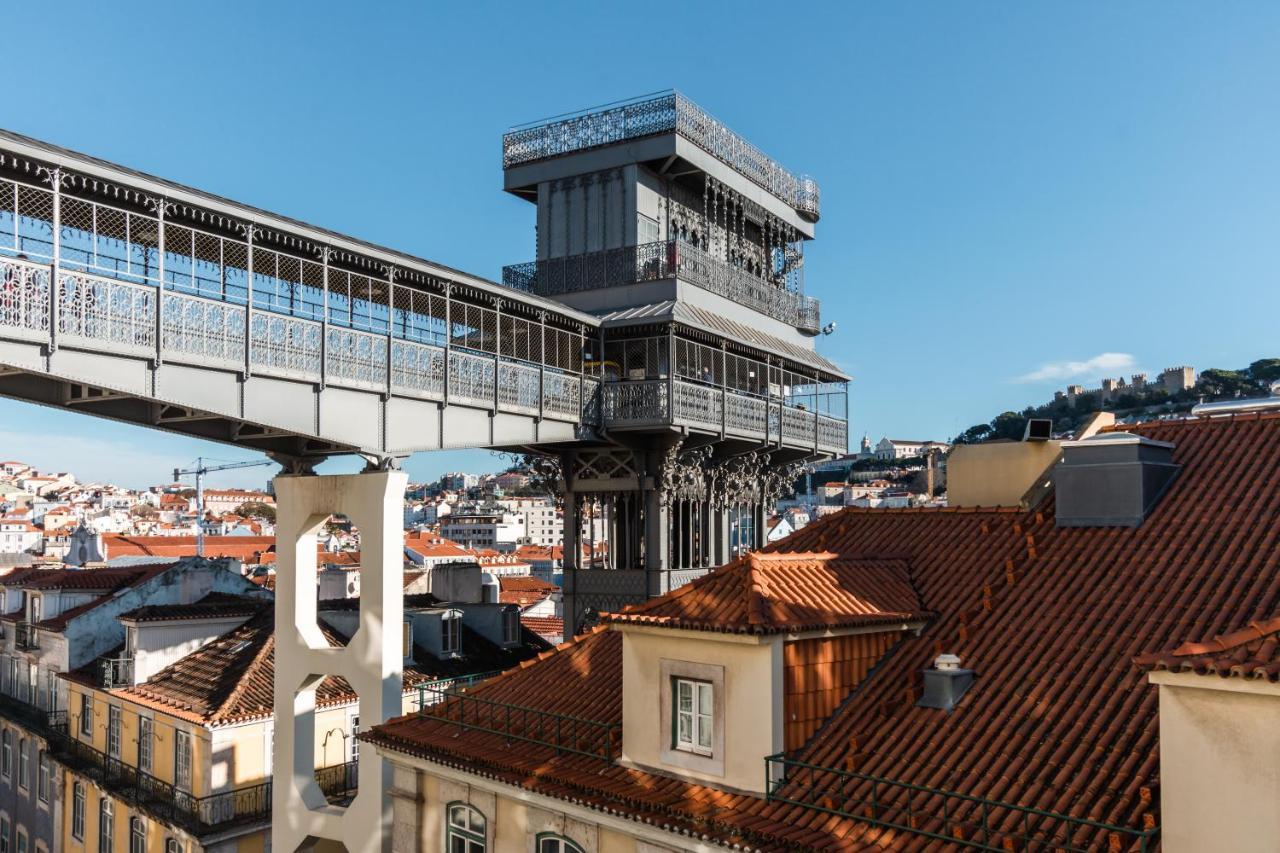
<point x="242" y="548"/>
<point x="230" y="680"/>
<point x="1251" y="652"/>
<point x="524" y="591"/>
<point x="212" y="606"/>
<point x="774" y="593"/>
<point x="544" y="626"/>
<point x="118" y="579"/>
<point x="1050" y="618"/>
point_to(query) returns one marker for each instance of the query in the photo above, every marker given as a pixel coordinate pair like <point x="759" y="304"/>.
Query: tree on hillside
<point x="256" y="509"/>
<point x="1225" y="384"/>
<point x="143" y="511"/>
<point x="1265" y="370"/>
<point x="975" y="434"/>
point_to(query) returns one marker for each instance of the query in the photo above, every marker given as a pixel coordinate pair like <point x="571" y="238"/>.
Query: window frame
<point x="181" y="768"/>
<point x="115" y="728"/>
<point x="22" y="843"/>
<point x="451" y="633"/>
<point x="511" y="626"/>
<point x="698" y="689"/>
<point x="24" y="765"/>
<point x="86" y="715"/>
<point x="44" y="776"/>
<point x="474" y="841"/>
<point x="146" y="743"/>
<point x="77" y="810"/>
<point x="106" y="825"/>
<point x="6" y="831"/>
<point x="6" y="753"/>
<point x="138" y="834"/>
<point x="563" y="844"/>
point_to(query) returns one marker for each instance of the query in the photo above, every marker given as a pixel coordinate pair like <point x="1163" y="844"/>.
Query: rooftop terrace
<point x="647" y="115"/>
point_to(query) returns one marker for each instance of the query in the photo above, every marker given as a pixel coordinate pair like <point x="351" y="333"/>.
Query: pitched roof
<point x="242" y="548"/>
<point x="1058" y="719"/>
<point x="544" y="626"/>
<point x="1251" y="652"/>
<point x="524" y="591"/>
<point x="774" y="593"/>
<point x="212" y="606"/>
<point x="230" y="680"/>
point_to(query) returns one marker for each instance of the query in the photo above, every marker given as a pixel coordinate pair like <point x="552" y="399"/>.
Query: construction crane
<point x="200" y="470"/>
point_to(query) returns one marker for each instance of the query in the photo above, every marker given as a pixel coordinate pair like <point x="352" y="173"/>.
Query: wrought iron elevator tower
<point x="687" y="242"/>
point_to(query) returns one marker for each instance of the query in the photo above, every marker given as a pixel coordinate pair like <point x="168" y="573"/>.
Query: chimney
<point x="945" y="683"/>
<point x="1112" y="479"/>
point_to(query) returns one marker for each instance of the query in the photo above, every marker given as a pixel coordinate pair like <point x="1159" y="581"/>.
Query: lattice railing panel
<point x="106" y="311"/>
<point x="203" y="329"/>
<point x="357" y="358"/>
<point x="417" y="368"/>
<point x="518" y="387"/>
<point x="696" y="404"/>
<point x="287" y="345"/>
<point x="470" y="378"/>
<point x="561" y="395"/>
<point x="24" y="298"/>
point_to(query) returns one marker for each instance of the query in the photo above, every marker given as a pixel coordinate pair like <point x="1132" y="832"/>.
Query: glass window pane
<point x="704" y="732"/>
<point x="704" y="697"/>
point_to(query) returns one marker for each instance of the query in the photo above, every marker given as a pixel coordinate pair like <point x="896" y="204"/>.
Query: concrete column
<point x="371" y="662"/>
<point x="572" y="559"/>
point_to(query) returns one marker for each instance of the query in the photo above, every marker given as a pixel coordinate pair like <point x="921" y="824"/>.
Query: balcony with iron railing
<point x="163" y="800"/>
<point x="647" y="115"/>
<point x="947" y="816"/>
<point x="663" y="260"/>
<point x="26" y="636"/>
<point x="339" y="782"/>
<point x="117" y="672"/>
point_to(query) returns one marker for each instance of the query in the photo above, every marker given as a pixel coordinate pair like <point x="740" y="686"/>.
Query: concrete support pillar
<point x="572" y="560"/>
<point x="371" y="662"/>
<point x="759" y="515"/>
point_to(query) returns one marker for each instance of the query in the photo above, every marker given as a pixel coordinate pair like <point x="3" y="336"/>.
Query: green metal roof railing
<point x="561" y="732"/>
<point x="975" y="822"/>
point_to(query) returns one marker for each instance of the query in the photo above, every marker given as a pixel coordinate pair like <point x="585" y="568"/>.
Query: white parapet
<point x="371" y="662"/>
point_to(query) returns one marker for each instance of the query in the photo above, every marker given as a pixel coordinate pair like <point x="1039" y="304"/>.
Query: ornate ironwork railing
<point x="442" y="687"/>
<point x="161" y="799"/>
<point x="663" y="112"/>
<point x="26" y="636"/>
<point x="657" y="261"/>
<point x="948" y="816"/>
<point x="82" y="267"/>
<point x="117" y="672"/>
<point x="647" y="402"/>
<point x="340" y="780"/>
<point x="560" y="732"/>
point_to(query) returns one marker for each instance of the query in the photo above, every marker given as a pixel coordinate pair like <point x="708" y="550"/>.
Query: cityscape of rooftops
<point x="383" y="470"/>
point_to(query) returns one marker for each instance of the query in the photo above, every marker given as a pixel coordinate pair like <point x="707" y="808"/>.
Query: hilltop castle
<point x="1171" y="380"/>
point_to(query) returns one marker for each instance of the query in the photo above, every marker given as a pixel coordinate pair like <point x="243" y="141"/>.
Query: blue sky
<point x="1015" y="196"/>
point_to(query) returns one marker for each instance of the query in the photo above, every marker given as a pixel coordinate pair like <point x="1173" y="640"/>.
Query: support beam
<point x="372" y="662"/>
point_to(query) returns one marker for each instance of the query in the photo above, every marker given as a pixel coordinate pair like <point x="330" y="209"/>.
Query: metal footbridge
<point x="134" y="298"/>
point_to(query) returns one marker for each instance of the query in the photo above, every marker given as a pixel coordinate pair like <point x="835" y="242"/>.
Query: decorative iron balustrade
<point x="117" y="672"/>
<point x="560" y="732"/>
<point x="340" y="781"/>
<point x="661" y="260"/>
<point x="947" y="816"/>
<point x="164" y="801"/>
<point x="663" y="112"/>
<point x="647" y="403"/>
<point x="26" y="636"/>
<point x="185" y="284"/>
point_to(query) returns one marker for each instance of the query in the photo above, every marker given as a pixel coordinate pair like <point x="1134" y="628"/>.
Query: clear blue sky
<point x="1009" y="191"/>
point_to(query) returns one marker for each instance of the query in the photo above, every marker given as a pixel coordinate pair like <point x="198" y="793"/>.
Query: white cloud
<point x="1103" y="364"/>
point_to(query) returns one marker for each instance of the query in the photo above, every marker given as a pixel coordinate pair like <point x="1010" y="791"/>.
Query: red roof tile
<point x="1058" y="719"/>
<point x="524" y="591"/>
<point x="544" y="626"/>
<point x="1251" y="652"/>
<point x="773" y="593"/>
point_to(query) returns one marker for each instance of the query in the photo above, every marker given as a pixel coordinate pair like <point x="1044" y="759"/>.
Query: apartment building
<point x="915" y="678"/>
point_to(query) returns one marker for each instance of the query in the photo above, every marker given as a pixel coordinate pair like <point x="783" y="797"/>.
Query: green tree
<point x="1218" y="384"/>
<point x="1265" y="370"/>
<point x="256" y="509"/>
<point x="975" y="434"/>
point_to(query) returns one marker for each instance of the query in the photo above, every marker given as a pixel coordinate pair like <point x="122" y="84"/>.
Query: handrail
<point x="339" y="780"/>
<point x="26" y="636"/>
<point x="950" y="816"/>
<point x="663" y="259"/>
<point x="662" y="112"/>
<point x="562" y="732"/>
<point x="163" y="799"/>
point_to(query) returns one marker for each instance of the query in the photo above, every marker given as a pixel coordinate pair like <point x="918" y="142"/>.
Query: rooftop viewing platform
<point x="647" y="115"/>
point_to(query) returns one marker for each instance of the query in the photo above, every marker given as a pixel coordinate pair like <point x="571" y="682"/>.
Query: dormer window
<point x="511" y="626"/>
<point x="451" y="632"/>
<point x="694" y="715"/>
